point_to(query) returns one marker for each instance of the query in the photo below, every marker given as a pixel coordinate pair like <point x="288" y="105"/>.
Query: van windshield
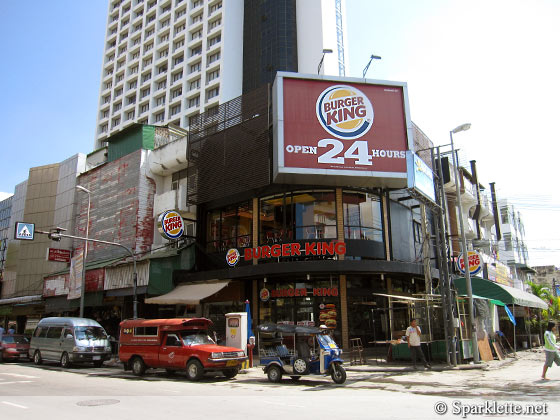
<point x="90" y="333"/>
<point x="195" y="338"/>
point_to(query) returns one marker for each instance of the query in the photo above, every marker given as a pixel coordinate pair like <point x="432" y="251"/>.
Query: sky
<point x="491" y="63"/>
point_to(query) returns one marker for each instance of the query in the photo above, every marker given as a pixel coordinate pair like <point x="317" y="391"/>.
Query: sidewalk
<point x="376" y="363"/>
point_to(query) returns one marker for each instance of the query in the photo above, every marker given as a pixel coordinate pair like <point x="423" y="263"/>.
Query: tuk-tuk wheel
<point x="338" y="373"/>
<point x="274" y="374"/>
<point x="301" y="366"/>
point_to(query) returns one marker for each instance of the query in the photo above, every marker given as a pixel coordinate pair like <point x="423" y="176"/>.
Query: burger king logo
<point x="232" y="257"/>
<point x="345" y="112"/>
<point x="171" y="225"/>
<point x="264" y="294"/>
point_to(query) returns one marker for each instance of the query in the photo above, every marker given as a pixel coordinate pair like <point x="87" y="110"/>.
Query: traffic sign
<point x="25" y="231"/>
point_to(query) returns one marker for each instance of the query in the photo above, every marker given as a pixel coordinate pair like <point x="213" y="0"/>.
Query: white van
<point x="69" y="340"/>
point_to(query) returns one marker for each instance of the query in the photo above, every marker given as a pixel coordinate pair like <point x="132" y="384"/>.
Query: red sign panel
<point x="58" y="255"/>
<point x="340" y="128"/>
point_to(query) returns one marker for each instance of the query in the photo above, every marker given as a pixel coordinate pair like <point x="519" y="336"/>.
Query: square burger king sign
<point x="340" y="131"/>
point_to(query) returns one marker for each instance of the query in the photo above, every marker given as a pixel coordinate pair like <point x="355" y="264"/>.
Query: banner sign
<point x="341" y="131"/>
<point x="75" y="283"/>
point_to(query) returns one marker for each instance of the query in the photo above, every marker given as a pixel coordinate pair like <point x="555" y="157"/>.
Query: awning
<point x="21" y="299"/>
<point x="492" y="290"/>
<point x="189" y="294"/>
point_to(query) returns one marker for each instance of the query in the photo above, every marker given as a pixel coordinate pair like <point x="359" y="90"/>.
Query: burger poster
<point x="327" y="315"/>
<point x="341" y="127"/>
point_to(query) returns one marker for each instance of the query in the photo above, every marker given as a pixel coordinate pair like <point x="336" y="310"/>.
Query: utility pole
<point x="442" y="246"/>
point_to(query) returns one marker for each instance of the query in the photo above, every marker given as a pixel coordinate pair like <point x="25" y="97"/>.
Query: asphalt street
<point x="49" y="392"/>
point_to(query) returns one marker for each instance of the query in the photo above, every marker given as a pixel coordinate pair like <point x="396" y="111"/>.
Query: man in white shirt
<point x="413" y="334"/>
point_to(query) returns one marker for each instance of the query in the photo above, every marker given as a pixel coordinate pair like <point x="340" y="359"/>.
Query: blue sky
<point x="491" y="63"/>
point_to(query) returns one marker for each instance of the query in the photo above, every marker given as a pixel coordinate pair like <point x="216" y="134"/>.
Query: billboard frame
<point x="336" y="177"/>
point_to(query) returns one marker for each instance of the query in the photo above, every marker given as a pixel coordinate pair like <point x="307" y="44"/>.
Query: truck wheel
<point x="138" y="366"/>
<point x="274" y="374"/>
<point x="194" y="370"/>
<point x="65" y="361"/>
<point x="37" y="359"/>
<point x="338" y="374"/>
<point x="230" y="373"/>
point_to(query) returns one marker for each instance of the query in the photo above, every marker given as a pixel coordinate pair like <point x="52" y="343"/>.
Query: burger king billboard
<point x="340" y="131"/>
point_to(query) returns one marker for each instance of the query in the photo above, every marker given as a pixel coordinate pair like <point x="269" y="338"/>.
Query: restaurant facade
<point x="303" y="208"/>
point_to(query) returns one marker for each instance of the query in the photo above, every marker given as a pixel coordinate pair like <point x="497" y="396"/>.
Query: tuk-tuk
<point x="297" y="351"/>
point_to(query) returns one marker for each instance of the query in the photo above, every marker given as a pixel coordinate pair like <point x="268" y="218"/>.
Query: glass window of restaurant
<point x="229" y="227"/>
<point x="301" y="301"/>
<point x="362" y="216"/>
<point x="298" y="215"/>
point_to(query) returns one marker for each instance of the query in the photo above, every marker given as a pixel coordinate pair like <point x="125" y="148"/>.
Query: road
<point x="49" y="392"/>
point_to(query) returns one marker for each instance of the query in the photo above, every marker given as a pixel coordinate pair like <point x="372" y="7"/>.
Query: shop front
<point x="301" y="300"/>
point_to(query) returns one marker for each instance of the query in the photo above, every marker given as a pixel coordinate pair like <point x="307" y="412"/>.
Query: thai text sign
<point x="58" y="255"/>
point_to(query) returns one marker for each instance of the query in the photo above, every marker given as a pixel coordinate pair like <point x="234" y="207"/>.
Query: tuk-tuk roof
<point x="170" y="324"/>
<point x="287" y="329"/>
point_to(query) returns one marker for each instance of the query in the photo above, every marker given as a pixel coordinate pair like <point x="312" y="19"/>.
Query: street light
<point x="376" y="57"/>
<point x="83" y="290"/>
<point x="325" y="51"/>
<point x="464" y="127"/>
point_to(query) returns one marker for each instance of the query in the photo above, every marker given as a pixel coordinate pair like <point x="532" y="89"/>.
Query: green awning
<point x="492" y="290"/>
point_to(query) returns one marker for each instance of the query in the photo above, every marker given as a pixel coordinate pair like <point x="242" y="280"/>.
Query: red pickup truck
<point x="175" y="344"/>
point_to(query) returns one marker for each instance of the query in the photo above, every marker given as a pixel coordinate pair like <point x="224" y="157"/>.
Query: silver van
<point x="69" y="340"/>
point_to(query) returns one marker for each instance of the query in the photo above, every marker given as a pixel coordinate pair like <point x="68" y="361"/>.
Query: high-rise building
<point x="166" y="61"/>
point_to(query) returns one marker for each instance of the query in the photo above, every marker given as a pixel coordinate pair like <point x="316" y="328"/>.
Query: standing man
<point x="413" y="338"/>
<point x="550" y="349"/>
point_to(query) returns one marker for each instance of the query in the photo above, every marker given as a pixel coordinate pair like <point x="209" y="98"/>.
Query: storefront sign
<point x="303" y="292"/>
<point x="58" y="255"/>
<point x="346" y="129"/>
<point x="171" y="225"/>
<point x="475" y="263"/>
<point x="295" y="249"/>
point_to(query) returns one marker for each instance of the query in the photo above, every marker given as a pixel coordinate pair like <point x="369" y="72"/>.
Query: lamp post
<point x="366" y="68"/>
<point x="325" y="51"/>
<point x="464" y="127"/>
<point x="83" y="290"/>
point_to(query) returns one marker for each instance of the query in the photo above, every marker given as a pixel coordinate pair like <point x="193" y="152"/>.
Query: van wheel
<point x="195" y="371"/>
<point x="65" y="361"/>
<point x="230" y="373"/>
<point x="37" y="358"/>
<point x="138" y="366"/>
